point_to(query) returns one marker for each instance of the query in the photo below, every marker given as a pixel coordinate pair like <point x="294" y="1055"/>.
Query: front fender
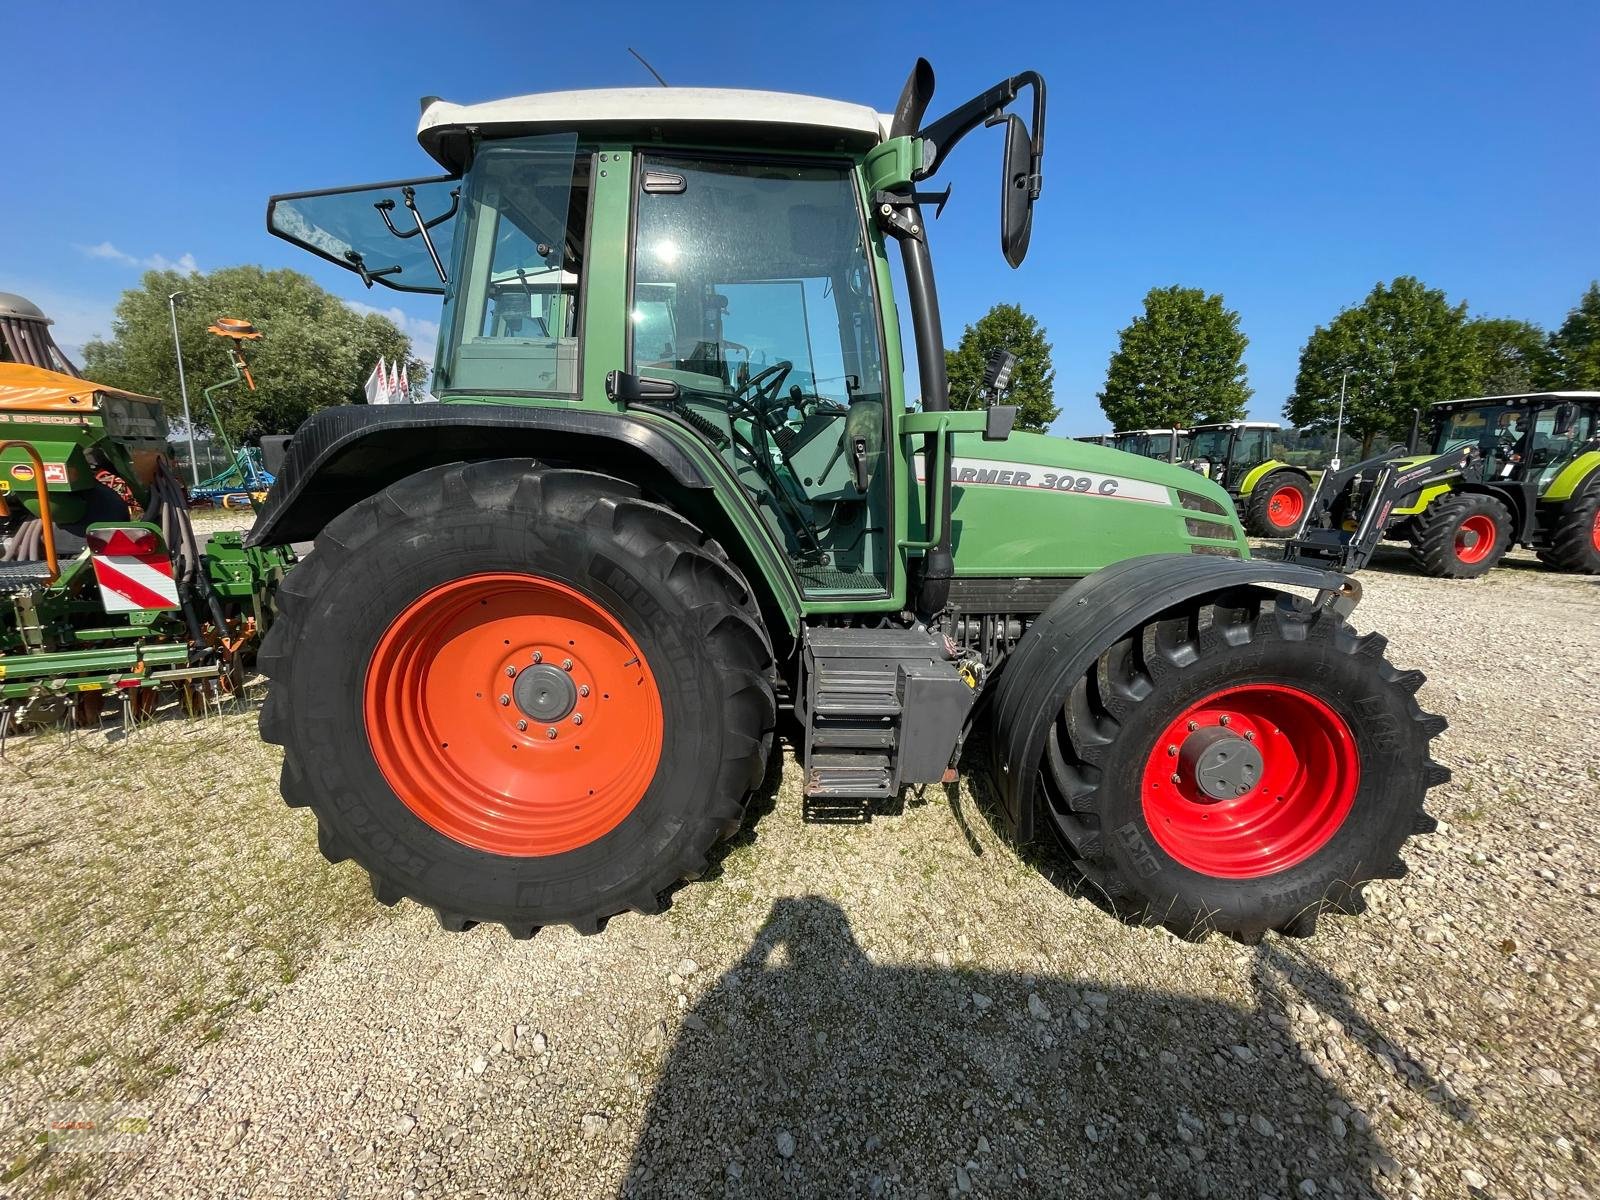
<point x="1087" y="620"/>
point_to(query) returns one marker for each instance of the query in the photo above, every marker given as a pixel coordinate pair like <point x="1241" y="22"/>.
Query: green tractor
<point x="675" y="502"/>
<point x="1163" y="445"/>
<point x="1240" y="455"/>
<point x="1532" y="479"/>
<point x="96" y="605"/>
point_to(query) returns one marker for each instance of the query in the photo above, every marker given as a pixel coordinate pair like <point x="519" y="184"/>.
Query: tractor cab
<point x="1523" y="439"/>
<point x="1163" y="445"/>
<point x="1227" y="451"/>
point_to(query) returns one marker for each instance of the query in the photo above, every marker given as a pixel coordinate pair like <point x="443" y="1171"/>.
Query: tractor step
<point x="882" y="708"/>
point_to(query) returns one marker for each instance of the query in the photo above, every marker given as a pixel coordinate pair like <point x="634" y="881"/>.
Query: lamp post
<point x="183" y="388"/>
<point x="1338" y="433"/>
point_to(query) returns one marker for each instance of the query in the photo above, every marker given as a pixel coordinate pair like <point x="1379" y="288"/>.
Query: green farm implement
<point x="675" y="503"/>
<point x="106" y="593"/>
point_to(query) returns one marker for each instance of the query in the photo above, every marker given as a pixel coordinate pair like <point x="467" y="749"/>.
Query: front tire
<point x="1277" y="505"/>
<point x="519" y="694"/>
<point x="1240" y="765"/>
<point x="1575" y="542"/>
<point x="1461" y="536"/>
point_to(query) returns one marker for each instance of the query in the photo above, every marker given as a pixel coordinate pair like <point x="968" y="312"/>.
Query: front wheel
<point x="1240" y="765"/>
<point x="1461" y="536"/>
<point x="519" y="694"/>
<point x="1277" y="505"/>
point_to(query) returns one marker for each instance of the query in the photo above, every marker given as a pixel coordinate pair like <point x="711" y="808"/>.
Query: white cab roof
<point x="1523" y="396"/>
<point x="787" y="118"/>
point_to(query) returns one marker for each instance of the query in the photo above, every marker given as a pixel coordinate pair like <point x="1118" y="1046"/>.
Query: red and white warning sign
<point x="132" y="568"/>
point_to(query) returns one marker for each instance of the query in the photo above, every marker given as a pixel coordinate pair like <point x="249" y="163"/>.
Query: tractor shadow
<point x="808" y="1069"/>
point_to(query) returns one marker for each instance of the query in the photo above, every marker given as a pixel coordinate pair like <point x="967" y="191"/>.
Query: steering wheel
<point x="761" y="390"/>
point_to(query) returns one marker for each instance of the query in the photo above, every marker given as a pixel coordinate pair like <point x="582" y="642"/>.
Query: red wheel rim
<point x="513" y="714"/>
<point x="1475" y="538"/>
<point x="1285" y="506"/>
<point x="1594" y="532"/>
<point x="1301" y="792"/>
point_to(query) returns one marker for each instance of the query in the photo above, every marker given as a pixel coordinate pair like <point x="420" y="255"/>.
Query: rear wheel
<point x="1461" y="536"/>
<point x="1240" y="765"/>
<point x="1575" y="541"/>
<point x="519" y="694"/>
<point x="1278" y="504"/>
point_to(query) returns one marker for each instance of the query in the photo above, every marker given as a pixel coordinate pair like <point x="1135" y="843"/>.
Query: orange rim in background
<point x="1285" y="506"/>
<point x="513" y="714"/>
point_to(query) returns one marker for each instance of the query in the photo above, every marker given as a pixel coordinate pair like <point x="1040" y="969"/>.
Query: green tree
<point x="1180" y="363"/>
<point x="1006" y="327"/>
<point x="1575" y="347"/>
<point x="314" y="351"/>
<point x="1404" y="347"/>
<point x="1510" y="356"/>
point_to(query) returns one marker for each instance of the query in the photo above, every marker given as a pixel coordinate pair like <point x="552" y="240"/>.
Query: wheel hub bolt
<point x="583" y="689"/>
<point x="551" y="732"/>
<point x="1225" y="719"/>
<point x="504" y="699"/>
<point x="538" y="657"/>
<point x="522" y="726"/>
<point x="566" y="664"/>
<point x="511" y="672"/>
<point x="1176" y="778"/>
<point x="577" y="718"/>
<point x="1172" y="752"/>
<point x="1193" y="725"/>
<point x="1249" y="735"/>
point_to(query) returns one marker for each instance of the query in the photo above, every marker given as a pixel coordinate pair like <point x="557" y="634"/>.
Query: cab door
<point x="753" y="290"/>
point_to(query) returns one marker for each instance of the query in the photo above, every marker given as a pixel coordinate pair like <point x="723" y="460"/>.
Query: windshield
<point x="1486" y="427"/>
<point x="373" y="229"/>
<point x="1210" y="443"/>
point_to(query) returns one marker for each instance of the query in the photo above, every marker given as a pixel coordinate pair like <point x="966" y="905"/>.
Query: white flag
<point x="405" y="384"/>
<point x="396" y="396"/>
<point x="375" y="384"/>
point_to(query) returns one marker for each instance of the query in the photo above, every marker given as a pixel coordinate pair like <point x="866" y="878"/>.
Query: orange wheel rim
<point x="1285" y="506"/>
<point x="513" y="714"/>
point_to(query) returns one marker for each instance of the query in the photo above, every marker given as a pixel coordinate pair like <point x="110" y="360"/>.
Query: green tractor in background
<point x="1532" y="479"/>
<point x="675" y="504"/>
<point x="1270" y="494"/>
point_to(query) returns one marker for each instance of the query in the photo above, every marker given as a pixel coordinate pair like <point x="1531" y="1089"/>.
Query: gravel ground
<point x="907" y="1007"/>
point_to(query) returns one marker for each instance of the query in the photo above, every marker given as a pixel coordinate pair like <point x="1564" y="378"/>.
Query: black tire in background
<point x="1262" y="519"/>
<point x="1575" y="541"/>
<point x="1441" y="531"/>
<point x="670" y="587"/>
<point x="1108" y="730"/>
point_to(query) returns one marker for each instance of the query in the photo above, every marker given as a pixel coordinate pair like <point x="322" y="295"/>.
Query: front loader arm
<point x="1324" y="540"/>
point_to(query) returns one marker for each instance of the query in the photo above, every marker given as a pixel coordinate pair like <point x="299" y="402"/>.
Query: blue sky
<point x="1287" y="155"/>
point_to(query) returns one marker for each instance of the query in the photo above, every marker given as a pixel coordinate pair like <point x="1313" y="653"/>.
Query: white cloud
<point x="184" y="264"/>
<point x="424" y="334"/>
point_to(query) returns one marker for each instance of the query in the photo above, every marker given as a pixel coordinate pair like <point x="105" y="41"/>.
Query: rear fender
<point x="1086" y="621"/>
<point x="341" y="456"/>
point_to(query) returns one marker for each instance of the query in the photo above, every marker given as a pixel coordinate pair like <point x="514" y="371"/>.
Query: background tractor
<point x="1270" y="494"/>
<point x="675" y="503"/>
<point x="93" y="602"/>
<point x="1163" y="445"/>
<point x="1532" y="479"/>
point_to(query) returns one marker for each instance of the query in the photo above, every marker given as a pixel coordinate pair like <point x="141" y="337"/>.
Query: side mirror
<point x="1566" y="419"/>
<point x="1016" y="192"/>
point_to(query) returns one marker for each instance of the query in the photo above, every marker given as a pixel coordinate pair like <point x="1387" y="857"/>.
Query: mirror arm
<point x="943" y="134"/>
